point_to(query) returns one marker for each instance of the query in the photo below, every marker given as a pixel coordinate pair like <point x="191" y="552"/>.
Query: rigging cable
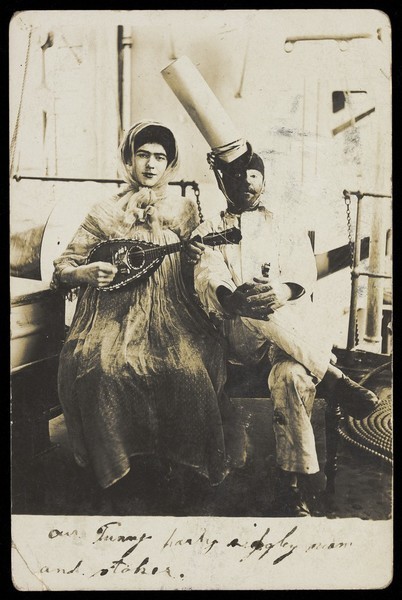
<point x="18" y="117"/>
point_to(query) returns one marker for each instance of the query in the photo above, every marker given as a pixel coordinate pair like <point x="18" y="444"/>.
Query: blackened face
<point x="243" y="187"/>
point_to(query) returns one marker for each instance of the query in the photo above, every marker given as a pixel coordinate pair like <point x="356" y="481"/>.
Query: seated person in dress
<point x="142" y="370"/>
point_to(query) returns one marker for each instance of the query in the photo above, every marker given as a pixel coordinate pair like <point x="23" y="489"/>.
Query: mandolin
<point x="138" y="259"/>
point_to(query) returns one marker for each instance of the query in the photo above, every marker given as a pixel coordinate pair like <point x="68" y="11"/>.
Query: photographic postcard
<point x="310" y="92"/>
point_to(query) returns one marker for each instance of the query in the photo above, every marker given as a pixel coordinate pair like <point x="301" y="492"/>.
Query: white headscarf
<point x="139" y="201"/>
<point x="127" y="150"/>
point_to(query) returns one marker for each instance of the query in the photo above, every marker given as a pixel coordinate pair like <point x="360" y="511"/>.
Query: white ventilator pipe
<point x="204" y="108"/>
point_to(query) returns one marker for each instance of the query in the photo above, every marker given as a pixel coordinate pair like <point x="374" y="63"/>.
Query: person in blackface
<point x="142" y="370"/>
<point x="261" y="292"/>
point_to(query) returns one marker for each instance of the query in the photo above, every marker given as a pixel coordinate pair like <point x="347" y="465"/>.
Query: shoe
<point x="296" y="504"/>
<point x="290" y="503"/>
<point x="355" y="400"/>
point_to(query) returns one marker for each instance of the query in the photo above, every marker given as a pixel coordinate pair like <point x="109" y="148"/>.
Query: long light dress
<point x="142" y="370"/>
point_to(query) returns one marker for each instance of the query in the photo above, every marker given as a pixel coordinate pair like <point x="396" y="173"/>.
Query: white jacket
<point x="265" y="239"/>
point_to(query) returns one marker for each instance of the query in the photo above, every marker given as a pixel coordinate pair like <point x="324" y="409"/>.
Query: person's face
<point x="244" y="187"/>
<point x="150" y="162"/>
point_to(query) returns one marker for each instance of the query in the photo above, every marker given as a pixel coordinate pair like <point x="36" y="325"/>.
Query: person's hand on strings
<point x="193" y="252"/>
<point x="98" y="274"/>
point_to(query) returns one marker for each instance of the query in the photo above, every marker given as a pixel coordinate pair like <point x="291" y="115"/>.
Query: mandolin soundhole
<point x="136" y="258"/>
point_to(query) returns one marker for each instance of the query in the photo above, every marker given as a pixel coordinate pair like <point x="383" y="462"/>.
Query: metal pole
<point x="182" y="183"/>
<point x="382" y="179"/>
<point x="376" y="284"/>
<point x="127" y="43"/>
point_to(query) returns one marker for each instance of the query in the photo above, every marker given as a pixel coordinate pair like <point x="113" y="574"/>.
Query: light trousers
<point x="300" y="356"/>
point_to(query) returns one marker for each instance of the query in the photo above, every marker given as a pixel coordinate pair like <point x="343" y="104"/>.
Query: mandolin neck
<point x="160" y="251"/>
<point x="165" y="250"/>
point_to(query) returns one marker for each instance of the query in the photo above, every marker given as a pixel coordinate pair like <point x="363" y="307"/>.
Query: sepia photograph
<point x="201" y="299"/>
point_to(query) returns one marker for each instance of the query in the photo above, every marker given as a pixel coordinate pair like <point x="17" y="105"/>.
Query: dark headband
<point x="157" y="134"/>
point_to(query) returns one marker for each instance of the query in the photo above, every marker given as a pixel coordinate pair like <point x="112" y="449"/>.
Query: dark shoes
<point x="290" y="503"/>
<point x="355" y="400"/>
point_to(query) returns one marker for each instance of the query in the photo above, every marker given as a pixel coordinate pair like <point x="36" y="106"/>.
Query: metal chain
<point x="349" y="225"/>
<point x="197" y="199"/>
<point x="351" y="252"/>
<point x="17" y="121"/>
